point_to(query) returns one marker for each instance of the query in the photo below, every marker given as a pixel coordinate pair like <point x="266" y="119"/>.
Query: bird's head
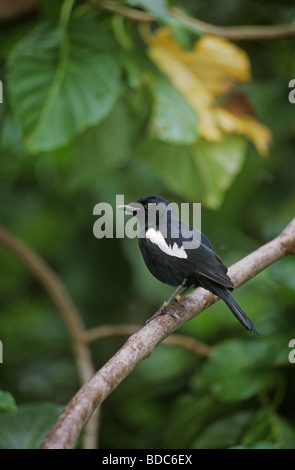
<point x="159" y="215"/>
<point x="148" y="209"/>
<point x="145" y="204"/>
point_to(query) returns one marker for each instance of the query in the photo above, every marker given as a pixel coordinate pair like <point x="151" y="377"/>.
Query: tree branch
<point x="238" y="33"/>
<point x="141" y="344"/>
<point x="186" y="342"/>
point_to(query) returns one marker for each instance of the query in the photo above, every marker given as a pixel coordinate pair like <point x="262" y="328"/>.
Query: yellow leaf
<point x="245" y="125"/>
<point x="218" y="63"/>
<point x="204" y="75"/>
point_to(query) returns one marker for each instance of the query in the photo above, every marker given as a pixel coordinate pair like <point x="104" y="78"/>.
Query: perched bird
<point x="163" y="242"/>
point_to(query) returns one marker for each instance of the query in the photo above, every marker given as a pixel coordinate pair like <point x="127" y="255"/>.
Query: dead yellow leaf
<point x="245" y="125"/>
<point x="204" y="75"/>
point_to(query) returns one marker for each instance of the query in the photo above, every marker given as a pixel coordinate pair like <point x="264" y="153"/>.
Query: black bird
<point x="163" y="244"/>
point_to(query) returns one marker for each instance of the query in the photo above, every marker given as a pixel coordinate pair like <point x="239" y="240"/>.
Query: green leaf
<point x="7" y="401"/>
<point x="224" y="432"/>
<point x="260" y="427"/>
<point x="174" y="167"/>
<point x="190" y="414"/>
<point x="238" y="370"/>
<point x="157" y="8"/>
<point x="201" y="172"/>
<point x="62" y="84"/>
<point x="285" y="433"/>
<point x="26" y="428"/>
<point x="267" y="425"/>
<point x="217" y="164"/>
<point x="173" y="120"/>
<point x="97" y="150"/>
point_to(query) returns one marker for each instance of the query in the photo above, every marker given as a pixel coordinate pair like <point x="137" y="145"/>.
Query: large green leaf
<point x="97" y="150"/>
<point x="61" y="84"/>
<point x="26" y="428"/>
<point x="201" y="172"/>
<point x="172" y="118"/>
<point x="217" y="165"/>
<point x="174" y="167"/>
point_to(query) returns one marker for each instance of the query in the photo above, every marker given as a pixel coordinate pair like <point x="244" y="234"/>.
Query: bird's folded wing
<point x="202" y="261"/>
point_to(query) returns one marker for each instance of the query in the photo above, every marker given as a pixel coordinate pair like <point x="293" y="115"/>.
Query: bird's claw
<point x="164" y="309"/>
<point x="176" y="306"/>
<point x="158" y="313"/>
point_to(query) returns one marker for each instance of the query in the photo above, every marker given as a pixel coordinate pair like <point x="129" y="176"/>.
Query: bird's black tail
<point x="223" y="293"/>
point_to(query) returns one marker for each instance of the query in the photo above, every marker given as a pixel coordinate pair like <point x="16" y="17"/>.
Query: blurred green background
<point x="79" y="124"/>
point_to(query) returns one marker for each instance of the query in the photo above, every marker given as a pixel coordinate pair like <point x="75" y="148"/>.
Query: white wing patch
<point x="157" y="238"/>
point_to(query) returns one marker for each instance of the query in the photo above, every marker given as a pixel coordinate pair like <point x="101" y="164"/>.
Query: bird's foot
<point x="170" y="299"/>
<point x="158" y="312"/>
<point x="178" y="310"/>
<point x="173" y="312"/>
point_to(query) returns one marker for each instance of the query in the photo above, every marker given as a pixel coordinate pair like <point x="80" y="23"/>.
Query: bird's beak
<point x="133" y="207"/>
<point x="127" y="208"/>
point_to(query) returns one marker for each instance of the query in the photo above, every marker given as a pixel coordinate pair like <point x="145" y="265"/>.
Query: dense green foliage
<point x="86" y="115"/>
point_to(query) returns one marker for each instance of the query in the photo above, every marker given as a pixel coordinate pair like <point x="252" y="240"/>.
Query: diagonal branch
<point x="141" y="344"/>
<point x="197" y="347"/>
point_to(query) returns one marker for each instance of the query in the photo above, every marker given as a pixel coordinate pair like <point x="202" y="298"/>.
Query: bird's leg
<point x="166" y="303"/>
<point x="178" y="297"/>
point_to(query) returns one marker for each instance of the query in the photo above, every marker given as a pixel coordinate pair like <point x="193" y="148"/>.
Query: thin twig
<point x="65" y="307"/>
<point x="129" y="12"/>
<point x="237" y="33"/>
<point x="196" y="346"/>
<point x="141" y="345"/>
